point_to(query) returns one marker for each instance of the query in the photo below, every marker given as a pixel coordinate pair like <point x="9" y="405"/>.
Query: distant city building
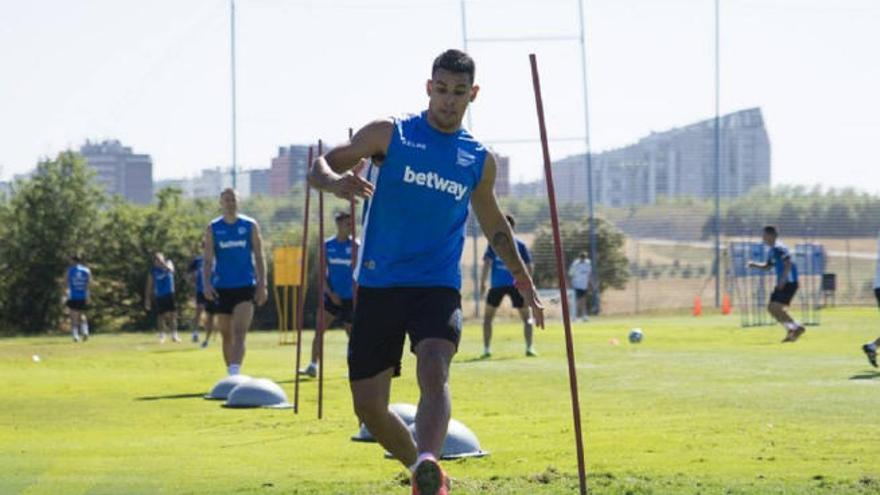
<point x="120" y="171"/>
<point x="674" y="163"/>
<point x="502" y="175"/>
<point x="288" y="169"/>
<point x="259" y="179"/>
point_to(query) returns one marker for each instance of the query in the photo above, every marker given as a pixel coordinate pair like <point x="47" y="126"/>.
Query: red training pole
<point x="322" y="274"/>
<point x="560" y="273"/>
<point x="301" y="300"/>
<point x="354" y="245"/>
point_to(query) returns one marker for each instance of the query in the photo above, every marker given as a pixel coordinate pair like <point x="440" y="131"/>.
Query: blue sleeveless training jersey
<point x="78" y="277"/>
<point x="414" y="227"/>
<point x="233" y="253"/>
<point x="501" y="276"/>
<point x="339" y="266"/>
<point x="195" y="267"/>
<point x="778" y="254"/>
<point x="163" y="281"/>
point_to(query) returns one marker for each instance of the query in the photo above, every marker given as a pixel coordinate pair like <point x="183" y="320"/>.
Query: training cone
<point x="725" y="305"/>
<point x="698" y="306"/>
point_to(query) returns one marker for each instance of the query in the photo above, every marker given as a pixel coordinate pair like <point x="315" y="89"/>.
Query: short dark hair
<point x="510" y="220"/>
<point x="770" y="230"/>
<point x="455" y="61"/>
<point x="76" y="258"/>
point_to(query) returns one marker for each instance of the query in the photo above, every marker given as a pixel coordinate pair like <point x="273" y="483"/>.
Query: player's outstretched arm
<point x="500" y="235"/>
<point x="332" y="171"/>
<point x="260" y="264"/>
<point x="208" y="265"/>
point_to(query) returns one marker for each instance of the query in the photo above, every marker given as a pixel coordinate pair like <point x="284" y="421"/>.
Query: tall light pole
<point x="717" y="159"/>
<point x="232" y="75"/>
<point x="473" y="223"/>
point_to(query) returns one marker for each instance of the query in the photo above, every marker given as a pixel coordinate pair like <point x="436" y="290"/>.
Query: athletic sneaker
<point x="310" y="370"/>
<point x="531" y="352"/>
<point x="205" y="344"/>
<point x="195" y="337"/>
<point x="795" y="334"/>
<point x="175" y="338"/>
<point x="85" y="336"/>
<point x="871" y="352"/>
<point x="485" y="355"/>
<point x="75" y="338"/>
<point x="429" y="479"/>
<point x="162" y="339"/>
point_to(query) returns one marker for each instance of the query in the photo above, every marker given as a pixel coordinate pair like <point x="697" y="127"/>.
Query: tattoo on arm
<point x="502" y="243"/>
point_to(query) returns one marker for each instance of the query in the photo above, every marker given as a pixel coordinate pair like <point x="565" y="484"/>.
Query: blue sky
<point x="156" y="75"/>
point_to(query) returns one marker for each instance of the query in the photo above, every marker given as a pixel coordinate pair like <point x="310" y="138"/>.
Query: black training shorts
<point x="76" y="304"/>
<point x="784" y="295"/>
<point x="165" y="304"/>
<point x="228" y="299"/>
<point x="580" y="293"/>
<point x="342" y="312"/>
<point x="383" y="318"/>
<point x="496" y="294"/>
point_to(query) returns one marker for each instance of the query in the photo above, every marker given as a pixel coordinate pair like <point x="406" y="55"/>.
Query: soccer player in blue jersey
<point x="234" y="248"/>
<point x="786" y="283"/>
<point x="338" y="286"/>
<point x="870" y="349"/>
<point x="503" y="285"/>
<point x="78" y="297"/>
<point x="160" y="286"/>
<point x="428" y="169"/>
<point x="202" y="305"/>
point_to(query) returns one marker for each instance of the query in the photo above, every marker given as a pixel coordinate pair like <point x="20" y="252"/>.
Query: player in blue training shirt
<point x="429" y="170"/>
<point x="338" y="287"/>
<point x="234" y="248"/>
<point x="503" y="285"/>
<point x="78" y="297"/>
<point x="202" y="305"/>
<point x="160" y="286"/>
<point x="786" y="283"/>
<point x="870" y="349"/>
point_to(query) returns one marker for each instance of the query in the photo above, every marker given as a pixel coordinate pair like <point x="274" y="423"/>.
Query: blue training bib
<point x="233" y="253"/>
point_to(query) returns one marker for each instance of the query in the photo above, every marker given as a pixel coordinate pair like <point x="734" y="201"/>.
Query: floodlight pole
<point x="717" y="161"/>
<point x="560" y="274"/>
<point x="473" y="219"/>
<point x="594" y="251"/>
<point x="232" y="76"/>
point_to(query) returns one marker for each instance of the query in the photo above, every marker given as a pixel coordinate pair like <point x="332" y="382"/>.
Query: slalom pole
<point x="304" y="263"/>
<point x="322" y="275"/>
<point x="560" y="273"/>
<point x="354" y="245"/>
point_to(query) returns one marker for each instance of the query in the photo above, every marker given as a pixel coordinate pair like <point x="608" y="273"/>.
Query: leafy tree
<point x="49" y="218"/>
<point x="612" y="265"/>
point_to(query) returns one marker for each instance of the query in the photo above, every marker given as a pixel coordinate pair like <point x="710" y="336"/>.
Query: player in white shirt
<point x="579" y="272"/>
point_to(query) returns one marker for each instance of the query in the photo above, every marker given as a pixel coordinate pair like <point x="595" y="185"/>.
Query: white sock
<point x="234" y="369"/>
<point x="790" y="325"/>
<point x="74" y="330"/>
<point x="84" y="327"/>
<point x="486" y="350"/>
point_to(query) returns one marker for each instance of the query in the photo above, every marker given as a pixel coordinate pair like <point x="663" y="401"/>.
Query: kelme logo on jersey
<point x="432" y="180"/>
<point x="233" y="244"/>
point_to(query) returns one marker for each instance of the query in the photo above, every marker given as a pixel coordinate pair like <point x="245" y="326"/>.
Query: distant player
<point x="338" y="286"/>
<point x="503" y="285"/>
<point x="160" y="287"/>
<point x="78" y="297"/>
<point x="786" y="283"/>
<point x="579" y="272"/>
<point x="202" y="305"/>
<point x="234" y="247"/>
<point x="409" y="276"/>
<point x="870" y="348"/>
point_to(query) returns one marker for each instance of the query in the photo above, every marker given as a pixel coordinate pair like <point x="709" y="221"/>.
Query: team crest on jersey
<point x="465" y="159"/>
<point x="241" y="230"/>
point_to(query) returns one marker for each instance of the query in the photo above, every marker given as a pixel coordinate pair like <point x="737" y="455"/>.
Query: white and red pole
<point x="560" y="273"/>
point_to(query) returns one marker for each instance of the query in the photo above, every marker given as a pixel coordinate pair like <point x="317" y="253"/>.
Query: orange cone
<point x="698" y="306"/>
<point x="725" y="305"/>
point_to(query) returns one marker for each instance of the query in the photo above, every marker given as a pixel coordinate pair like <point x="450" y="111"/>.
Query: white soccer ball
<point x="636" y="335"/>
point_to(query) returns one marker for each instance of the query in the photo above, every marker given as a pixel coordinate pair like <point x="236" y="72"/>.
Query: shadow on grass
<point x="199" y="395"/>
<point x="871" y="375"/>
<point x="182" y="349"/>
<point x="480" y="359"/>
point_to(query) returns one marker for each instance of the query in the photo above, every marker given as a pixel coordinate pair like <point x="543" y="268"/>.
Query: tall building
<point x="120" y="171"/>
<point x="674" y="163"/>
<point x="288" y="169"/>
<point x="259" y="181"/>
<point x="502" y="175"/>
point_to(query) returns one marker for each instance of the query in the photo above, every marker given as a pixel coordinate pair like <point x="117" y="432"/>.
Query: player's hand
<point x="483" y="288"/>
<point x="262" y="294"/>
<point x="210" y="293"/>
<point x="334" y="298"/>
<point x="351" y="186"/>
<point x="780" y="285"/>
<point x="147" y="305"/>
<point x="527" y="290"/>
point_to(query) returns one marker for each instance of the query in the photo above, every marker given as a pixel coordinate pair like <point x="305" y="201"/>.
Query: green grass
<point x="701" y="406"/>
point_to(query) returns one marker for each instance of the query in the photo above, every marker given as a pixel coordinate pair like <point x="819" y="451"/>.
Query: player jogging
<point x="160" y="286"/>
<point x="337" y="289"/>
<point x="579" y="272"/>
<point x="429" y="169"/>
<point x="503" y="285"/>
<point x="870" y="349"/>
<point x="234" y="248"/>
<point x="78" y="278"/>
<point x="202" y="305"/>
<point x="786" y="283"/>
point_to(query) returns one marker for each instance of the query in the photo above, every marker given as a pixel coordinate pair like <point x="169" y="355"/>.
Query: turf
<point x="701" y="406"/>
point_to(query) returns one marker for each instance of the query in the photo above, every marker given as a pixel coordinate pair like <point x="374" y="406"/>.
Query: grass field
<point x="701" y="406"/>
